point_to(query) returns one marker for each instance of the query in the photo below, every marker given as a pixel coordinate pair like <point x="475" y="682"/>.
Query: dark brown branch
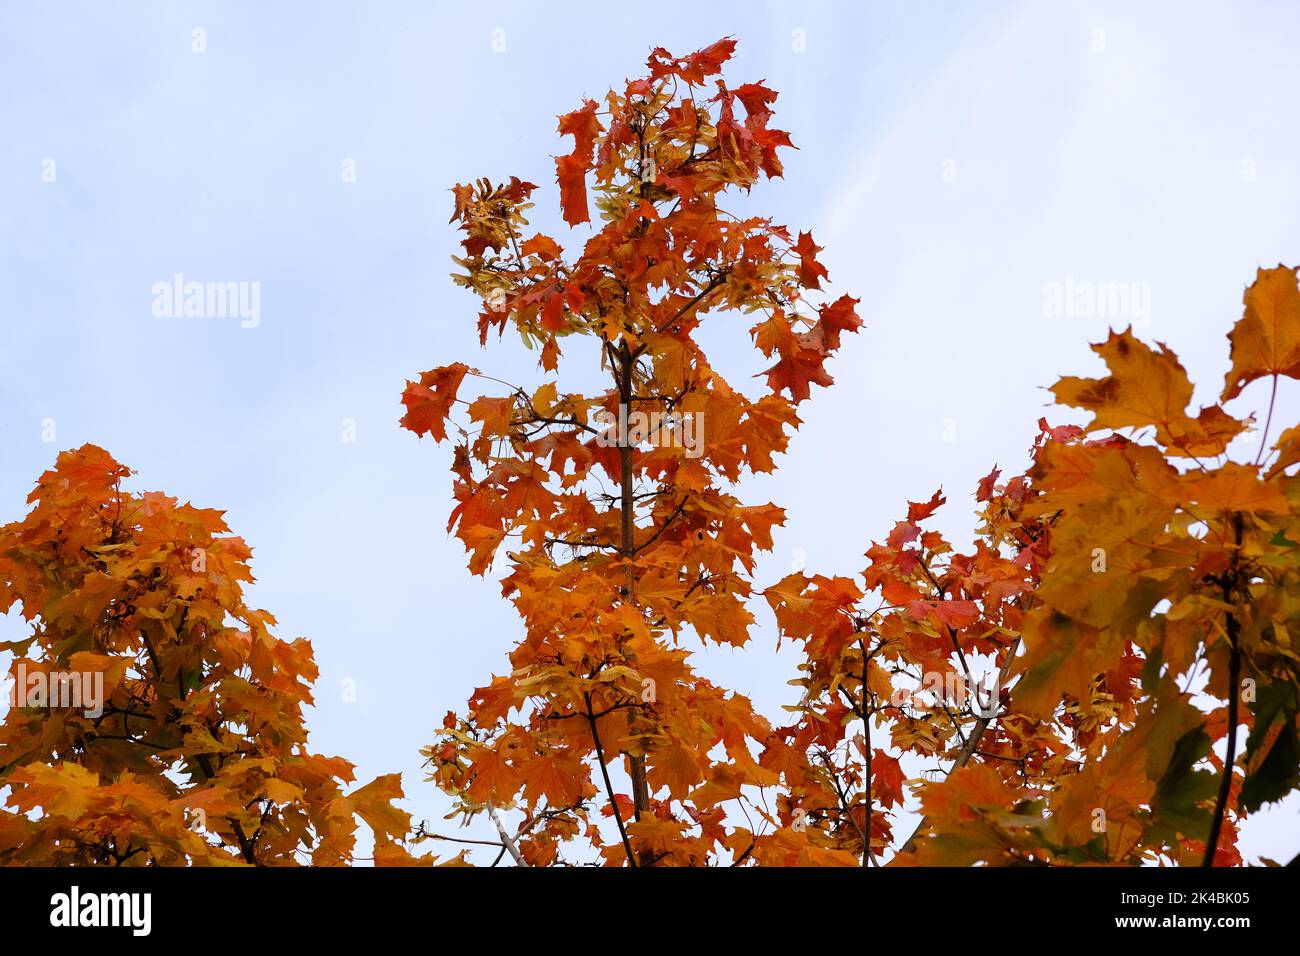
<point x="663" y="527"/>
<point x="1234" y="693"/>
<point x="609" y="787"/>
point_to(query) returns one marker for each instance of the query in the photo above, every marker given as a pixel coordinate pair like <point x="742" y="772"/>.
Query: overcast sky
<point x="958" y="162"/>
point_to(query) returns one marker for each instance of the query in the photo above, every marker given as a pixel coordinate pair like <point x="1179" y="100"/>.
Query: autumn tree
<point x="615" y="510"/>
<point x="1076" y="681"/>
<point x="1148" y="566"/>
<point x="900" y="648"/>
<point x="155" y="719"/>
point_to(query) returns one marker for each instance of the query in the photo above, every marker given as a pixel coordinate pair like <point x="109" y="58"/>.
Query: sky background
<point x="954" y="160"/>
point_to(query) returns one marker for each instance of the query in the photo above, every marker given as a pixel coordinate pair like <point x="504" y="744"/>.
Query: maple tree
<point x="621" y="533"/>
<point x="1078" y="679"/>
<point x="1109" y="579"/>
<point x="156" y="719"/>
<point x="1134" y="567"/>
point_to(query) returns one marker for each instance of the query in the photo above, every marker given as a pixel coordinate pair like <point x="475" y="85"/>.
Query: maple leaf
<point x="802" y="364"/>
<point x="918" y="511"/>
<point x="584" y="126"/>
<point x="837" y="317"/>
<point x="1288" y="448"/>
<point x="952" y="614"/>
<point x="571" y="174"/>
<point x="694" y="67"/>
<point x="492" y="413"/>
<point x="1147" y="388"/>
<point x="393" y="854"/>
<point x="561" y="778"/>
<point x="1266" y="339"/>
<point x="987" y="484"/>
<point x="676" y="767"/>
<point x="464" y="194"/>
<point x="887" y="778"/>
<point x="1234" y="487"/>
<point x="811" y="272"/>
<point x="428" y="402"/>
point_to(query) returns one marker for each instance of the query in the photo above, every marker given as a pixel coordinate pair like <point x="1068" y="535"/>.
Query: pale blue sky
<point x="954" y="159"/>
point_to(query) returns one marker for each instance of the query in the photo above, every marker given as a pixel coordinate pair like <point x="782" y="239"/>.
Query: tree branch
<point x="506" y="839"/>
<point x="972" y="742"/>
<point x="609" y="787"/>
<point x="1234" y="692"/>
